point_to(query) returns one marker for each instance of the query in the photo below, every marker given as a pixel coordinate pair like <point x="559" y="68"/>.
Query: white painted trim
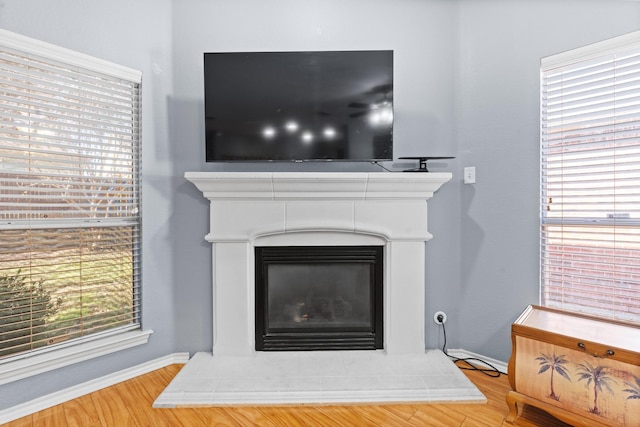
<point x="79" y="390"/>
<point x="23" y="366"/>
<point x="463" y="354"/>
<point x="590" y="51"/>
<point x="58" y="53"/>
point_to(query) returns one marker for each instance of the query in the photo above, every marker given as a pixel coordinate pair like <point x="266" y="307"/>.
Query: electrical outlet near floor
<point x="440" y="317"/>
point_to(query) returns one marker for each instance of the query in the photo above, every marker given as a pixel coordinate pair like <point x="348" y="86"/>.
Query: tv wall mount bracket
<point x="422" y="162"/>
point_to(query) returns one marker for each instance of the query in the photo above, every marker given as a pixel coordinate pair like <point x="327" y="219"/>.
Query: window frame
<point x="579" y="216"/>
<point x="22" y="365"/>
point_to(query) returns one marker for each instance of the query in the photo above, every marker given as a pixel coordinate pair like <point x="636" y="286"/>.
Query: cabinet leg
<point x="512" y="403"/>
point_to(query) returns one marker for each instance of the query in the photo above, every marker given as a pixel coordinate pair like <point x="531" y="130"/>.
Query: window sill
<point x="19" y="367"/>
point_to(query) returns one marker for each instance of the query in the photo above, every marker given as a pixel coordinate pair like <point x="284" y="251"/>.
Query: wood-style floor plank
<point x="112" y="409"/>
<point x="81" y="412"/>
<point x="50" y="417"/>
<point x="380" y="416"/>
<point x="438" y="416"/>
<point x="313" y="416"/>
<point x="129" y="404"/>
<point x="22" y="422"/>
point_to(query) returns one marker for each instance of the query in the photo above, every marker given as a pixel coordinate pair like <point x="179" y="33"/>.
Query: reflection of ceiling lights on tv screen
<point x="299" y="106"/>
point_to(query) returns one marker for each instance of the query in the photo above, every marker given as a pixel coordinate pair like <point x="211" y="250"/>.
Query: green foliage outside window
<point x="24" y="309"/>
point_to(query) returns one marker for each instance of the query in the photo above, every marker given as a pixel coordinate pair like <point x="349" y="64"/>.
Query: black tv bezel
<point x="390" y="151"/>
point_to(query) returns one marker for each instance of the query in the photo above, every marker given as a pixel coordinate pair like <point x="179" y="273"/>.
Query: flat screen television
<point x="299" y="106"/>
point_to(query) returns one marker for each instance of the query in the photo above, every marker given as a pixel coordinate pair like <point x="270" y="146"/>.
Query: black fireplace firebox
<point x="318" y="298"/>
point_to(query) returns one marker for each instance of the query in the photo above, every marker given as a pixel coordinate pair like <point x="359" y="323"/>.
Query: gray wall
<point x="500" y="43"/>
<point x="136" y="34"/>
<point x="466" y="84"/>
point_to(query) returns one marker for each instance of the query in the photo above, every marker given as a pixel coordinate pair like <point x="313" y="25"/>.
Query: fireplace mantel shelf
<point x="317" y="185"/>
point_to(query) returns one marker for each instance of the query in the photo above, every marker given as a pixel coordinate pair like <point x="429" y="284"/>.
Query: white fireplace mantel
<point x="250" y="209"/>
<point x="317" y="185"/>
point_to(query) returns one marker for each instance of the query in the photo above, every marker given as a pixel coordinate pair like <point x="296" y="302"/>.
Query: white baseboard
<point x="463" y="354"/>
<point x="74" y="351"/>
<point x="79" y="390"/>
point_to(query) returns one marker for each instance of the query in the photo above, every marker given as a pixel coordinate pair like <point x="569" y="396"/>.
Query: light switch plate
<point x="470" y="175"/>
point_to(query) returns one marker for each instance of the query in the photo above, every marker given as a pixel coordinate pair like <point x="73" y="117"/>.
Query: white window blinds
<point x="590" y="179"/>
<point x="69" y="195"/>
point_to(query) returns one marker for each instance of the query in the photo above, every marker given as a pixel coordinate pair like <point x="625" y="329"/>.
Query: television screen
<point x="299" y="106"/>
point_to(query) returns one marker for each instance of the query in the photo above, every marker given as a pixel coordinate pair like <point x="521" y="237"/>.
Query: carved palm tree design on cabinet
<point x="553" y="364"/>
<point x="634" y="389"/>
<point x="596" y="375"/>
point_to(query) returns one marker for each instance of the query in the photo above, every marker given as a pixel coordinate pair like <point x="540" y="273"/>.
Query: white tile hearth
<point x="325" y="377"/>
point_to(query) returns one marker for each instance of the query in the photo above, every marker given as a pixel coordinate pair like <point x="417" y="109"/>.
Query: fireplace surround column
<point x="249" y="209"/>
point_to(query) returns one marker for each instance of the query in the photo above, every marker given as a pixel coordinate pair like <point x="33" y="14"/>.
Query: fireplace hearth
<point x="319" y="298"/>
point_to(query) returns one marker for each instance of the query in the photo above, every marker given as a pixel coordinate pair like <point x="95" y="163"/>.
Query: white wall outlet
<point x="440" y="317"/>
<point x="470" y="175"/>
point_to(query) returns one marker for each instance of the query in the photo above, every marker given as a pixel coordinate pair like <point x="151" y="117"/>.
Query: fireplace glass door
<point x="319" y="298"/>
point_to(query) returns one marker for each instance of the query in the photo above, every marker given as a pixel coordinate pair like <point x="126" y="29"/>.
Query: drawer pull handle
<point x="608" y="353"/>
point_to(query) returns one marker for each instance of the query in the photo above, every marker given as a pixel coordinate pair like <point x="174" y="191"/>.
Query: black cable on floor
<point x="492" y="371"/>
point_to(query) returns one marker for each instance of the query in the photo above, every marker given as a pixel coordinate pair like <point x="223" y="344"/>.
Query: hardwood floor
<point x="128" y="404"/>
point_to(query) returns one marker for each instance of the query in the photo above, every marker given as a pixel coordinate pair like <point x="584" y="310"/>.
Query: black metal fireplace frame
<point x="322" y="338"/>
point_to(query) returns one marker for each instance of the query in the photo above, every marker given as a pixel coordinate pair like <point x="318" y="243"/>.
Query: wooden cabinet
<point x="583" y="370"/>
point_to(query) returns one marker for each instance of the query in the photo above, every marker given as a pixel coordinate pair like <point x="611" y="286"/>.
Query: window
<point x="590" y="179"/>
<point x="69" y="196"/>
